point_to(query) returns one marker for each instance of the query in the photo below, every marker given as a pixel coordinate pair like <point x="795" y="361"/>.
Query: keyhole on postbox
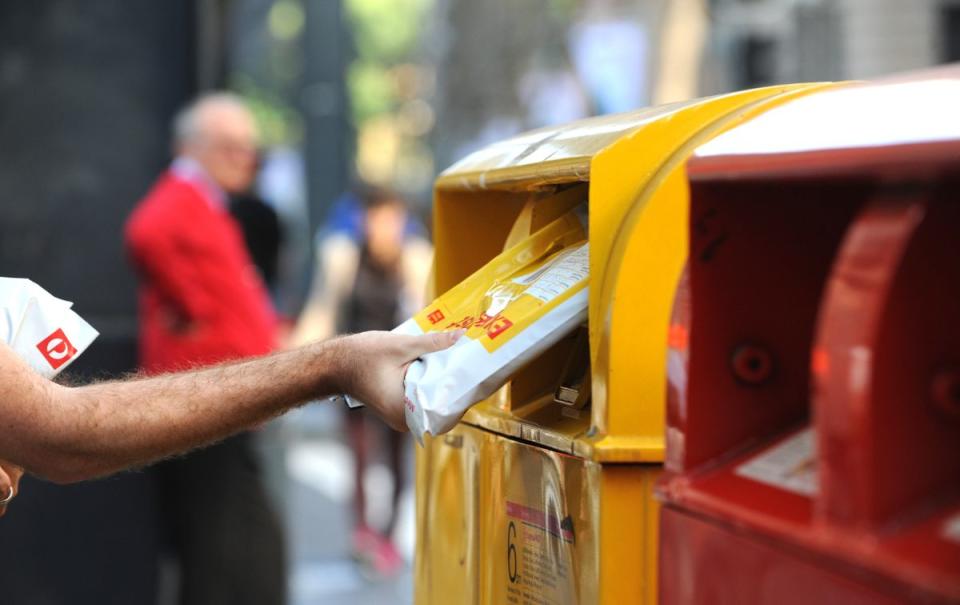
<point x="752" y="364"/>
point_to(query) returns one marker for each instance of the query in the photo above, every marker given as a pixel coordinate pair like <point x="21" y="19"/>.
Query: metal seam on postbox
<point x="624" y="232"/>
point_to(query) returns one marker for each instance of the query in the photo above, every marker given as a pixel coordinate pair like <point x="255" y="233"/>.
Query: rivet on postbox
<point x="752" y="364"/>
<point x="945" y="390"/>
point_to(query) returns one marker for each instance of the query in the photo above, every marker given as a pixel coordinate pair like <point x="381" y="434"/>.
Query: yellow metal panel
<point x="448" y="506"/>
<point x="628" y="534"/>
<point x="469" y="230"/>
<point x="502" y="521"/>
<point x="541" y="421"/>
<point x="539" y="526"/>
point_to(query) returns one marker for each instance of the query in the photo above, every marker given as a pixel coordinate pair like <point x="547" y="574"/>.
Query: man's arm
<point x="70" y="434"/>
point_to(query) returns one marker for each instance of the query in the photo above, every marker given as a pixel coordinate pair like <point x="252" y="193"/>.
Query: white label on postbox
<point x="951" y="529"/>
<point x="790" y="465"/>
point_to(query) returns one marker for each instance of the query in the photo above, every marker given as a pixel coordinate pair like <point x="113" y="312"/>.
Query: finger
<point x="398" y="424"/>
<point x="6" y="487"/>
<point x="433" y="342"/>
<point x="16" y="473"/>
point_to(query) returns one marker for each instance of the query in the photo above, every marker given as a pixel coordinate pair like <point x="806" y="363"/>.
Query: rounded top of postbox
<point x="560" y="154"/>
<point x="579" y="140"/>
<point x="904" y="121"/>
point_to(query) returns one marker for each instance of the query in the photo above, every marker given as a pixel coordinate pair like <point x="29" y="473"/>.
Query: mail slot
<point x="544" y="492"/>
<point x="814" y="450"/>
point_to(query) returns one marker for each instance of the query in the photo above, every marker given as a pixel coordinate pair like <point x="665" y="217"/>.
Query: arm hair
<point x="68" y="434"/>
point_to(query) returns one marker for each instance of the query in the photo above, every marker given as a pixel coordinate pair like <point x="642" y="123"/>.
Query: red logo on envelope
<point x="57" y="349"/>
<point x="498" y="327"/>
<point x="435" y="316"/>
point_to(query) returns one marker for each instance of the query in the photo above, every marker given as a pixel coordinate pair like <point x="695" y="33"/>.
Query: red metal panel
<point x="706" y="563"/>
<point x="887" y="386"/>
<point x="813" y="426"/>
<point x="759" y="256"/>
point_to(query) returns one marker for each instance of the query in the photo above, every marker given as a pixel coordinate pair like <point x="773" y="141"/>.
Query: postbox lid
<point x="548" y="155"/>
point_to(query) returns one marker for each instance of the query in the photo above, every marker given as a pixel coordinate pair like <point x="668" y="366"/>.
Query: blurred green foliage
<point x="386" y="33"/>
<point x="279" y="122"/>
<point x="371" y="90"/>
<point x="386" y="30"/>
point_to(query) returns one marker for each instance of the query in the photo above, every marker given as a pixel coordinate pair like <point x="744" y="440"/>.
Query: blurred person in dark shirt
<point x="372" y="267"/>
<point x="262" y="233"/>
<point x="202" y="302"/>
<point x="374" y="304"/>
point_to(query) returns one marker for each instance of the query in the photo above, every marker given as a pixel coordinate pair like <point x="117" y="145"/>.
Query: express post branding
<point x="493" y="326"/>
<point x="57" y="349"/>
<point x="490" y="330"/>
<point x="477" y="326"/>
<point x="519" y="302"/>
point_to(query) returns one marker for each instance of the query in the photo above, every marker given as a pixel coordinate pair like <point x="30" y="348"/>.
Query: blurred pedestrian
<point x="264" y="237"/>
<point x="373" y="267"/>
<point x="202" y="302"/>
<point x="262" y="232"/>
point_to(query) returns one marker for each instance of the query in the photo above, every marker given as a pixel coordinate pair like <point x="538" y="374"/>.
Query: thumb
<point x="6" y="483"/>
<point x="434" y="341"/>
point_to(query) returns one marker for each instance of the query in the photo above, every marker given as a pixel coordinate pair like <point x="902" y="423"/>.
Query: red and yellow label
<point x="516" y="288"/>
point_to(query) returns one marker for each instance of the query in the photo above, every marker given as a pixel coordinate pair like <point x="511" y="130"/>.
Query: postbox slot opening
<point x="566" y="364"/>
<point x="759" y="256"/>
<point x="573" y="387"/>
<point x="531" y="393"/>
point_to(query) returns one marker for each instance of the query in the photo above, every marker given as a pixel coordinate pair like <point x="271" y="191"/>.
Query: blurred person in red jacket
<point x="202" y="302"/>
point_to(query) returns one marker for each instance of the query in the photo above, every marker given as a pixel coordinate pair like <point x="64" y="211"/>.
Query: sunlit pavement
<point x="319" y="471"/>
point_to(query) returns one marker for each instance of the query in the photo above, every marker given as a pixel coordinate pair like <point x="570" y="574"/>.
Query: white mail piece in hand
<point x="512" y="309"/>
<point x="42" y="329"/>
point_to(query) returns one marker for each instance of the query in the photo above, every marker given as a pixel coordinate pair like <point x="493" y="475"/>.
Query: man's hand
<point x="9" y="483"/>
<point x="373" y="365"/>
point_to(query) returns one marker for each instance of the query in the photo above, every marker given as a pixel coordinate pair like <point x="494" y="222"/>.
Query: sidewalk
<point x="319" y="486"/>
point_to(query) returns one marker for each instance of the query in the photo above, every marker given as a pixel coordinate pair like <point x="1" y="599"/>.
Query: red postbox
<point x="813" y="438"/>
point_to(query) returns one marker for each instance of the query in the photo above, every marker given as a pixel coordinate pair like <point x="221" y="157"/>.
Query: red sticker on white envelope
<point x="57" y="349"/>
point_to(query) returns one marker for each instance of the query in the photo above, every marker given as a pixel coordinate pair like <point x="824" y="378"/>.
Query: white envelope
<point x="41" y="328"/>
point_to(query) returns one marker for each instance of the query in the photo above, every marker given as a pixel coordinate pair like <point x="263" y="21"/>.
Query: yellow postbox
<point x="543" y="493"/>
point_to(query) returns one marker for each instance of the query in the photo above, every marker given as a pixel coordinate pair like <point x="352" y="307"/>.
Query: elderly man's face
<point x="226" y="146"/>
